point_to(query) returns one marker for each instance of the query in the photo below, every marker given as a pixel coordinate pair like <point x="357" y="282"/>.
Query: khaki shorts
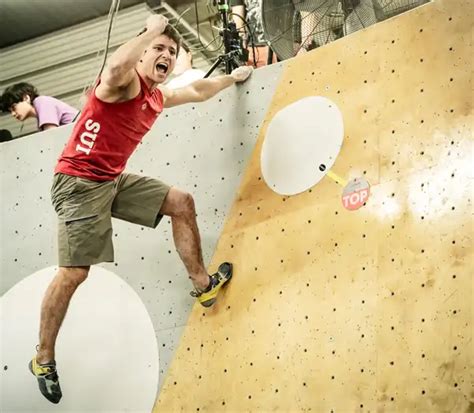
<point x="85" y="209"/>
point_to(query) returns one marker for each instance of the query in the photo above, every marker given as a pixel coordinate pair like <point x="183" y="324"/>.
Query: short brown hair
<point x="170" y="32"/>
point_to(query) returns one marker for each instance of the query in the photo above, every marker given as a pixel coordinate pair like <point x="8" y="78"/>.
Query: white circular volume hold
<point x="302" y="143"/>
<point x="107" y="354"/>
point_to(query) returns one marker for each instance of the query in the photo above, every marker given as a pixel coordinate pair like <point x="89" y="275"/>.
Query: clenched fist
<point x="241" y="73"/>
<point x="156" y="23"/>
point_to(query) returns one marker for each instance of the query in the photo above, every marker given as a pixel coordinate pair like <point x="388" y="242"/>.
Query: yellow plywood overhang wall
<point x="371" y="310"/>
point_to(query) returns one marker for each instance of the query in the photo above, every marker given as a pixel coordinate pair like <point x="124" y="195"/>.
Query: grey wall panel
<point x="28" y="241"/>
<point x="201" y="148"/>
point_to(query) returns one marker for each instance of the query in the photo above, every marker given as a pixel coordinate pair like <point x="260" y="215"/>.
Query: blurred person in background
<point x="247" y="15"/>
<point x="23" y="101"/>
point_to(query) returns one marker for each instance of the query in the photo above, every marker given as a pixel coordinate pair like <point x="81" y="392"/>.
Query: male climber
<point x="90" y="186"/>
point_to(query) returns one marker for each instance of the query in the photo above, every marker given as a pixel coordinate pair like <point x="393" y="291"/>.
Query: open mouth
<point x="162" y="68"/>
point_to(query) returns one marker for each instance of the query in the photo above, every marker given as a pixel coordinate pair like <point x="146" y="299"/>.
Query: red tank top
<point x="106" y="134"/>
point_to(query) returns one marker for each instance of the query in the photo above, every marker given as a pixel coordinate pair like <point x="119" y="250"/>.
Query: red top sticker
<point x="355" y="194"/>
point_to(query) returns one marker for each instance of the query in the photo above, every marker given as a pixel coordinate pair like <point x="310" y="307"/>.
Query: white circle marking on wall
<point x="299" y="139"/>
<point x="106" y="351"/>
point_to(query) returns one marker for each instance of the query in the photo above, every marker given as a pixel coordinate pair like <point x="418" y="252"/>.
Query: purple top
<point x="53" y="111"/>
